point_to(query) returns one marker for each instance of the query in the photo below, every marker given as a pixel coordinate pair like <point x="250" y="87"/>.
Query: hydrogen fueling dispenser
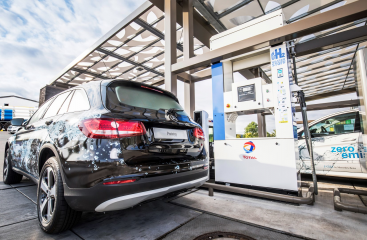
<point x="264" y="162"/>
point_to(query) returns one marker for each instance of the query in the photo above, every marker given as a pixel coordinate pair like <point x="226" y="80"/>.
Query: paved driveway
<point x="186" y="217"/>
<point x="158" y="219"/>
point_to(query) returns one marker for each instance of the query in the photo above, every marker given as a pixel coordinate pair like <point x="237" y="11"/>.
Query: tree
<point x="251" y="130"/>
<point x="273" y="134"/>
<point x="211" y="138"/>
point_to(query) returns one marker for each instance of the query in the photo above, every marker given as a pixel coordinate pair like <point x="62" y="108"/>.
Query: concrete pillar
<point x="189" y="97"/>
<point x="261" y="124"/>
<point x="170" y="48"/>
<point x="188" y="29"/>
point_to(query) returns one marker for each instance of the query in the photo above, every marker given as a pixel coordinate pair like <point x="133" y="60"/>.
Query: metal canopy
<point x="330" y="70"/>
<point x="319" y="73"/>
<point x="223" y="15"/>
<point x="134" y="49"/>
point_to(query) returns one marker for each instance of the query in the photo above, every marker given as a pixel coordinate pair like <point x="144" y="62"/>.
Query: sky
<point x="39" y="38"/>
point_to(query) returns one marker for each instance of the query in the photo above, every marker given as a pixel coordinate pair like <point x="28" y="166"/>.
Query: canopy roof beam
<point x="153" y="30"/>
<point x="284" y="5"/>
<point x="122" y="44"/>
<point x="209" y="15"/>
<point x="355" y="23"/>
<point x="81" y="71"/>
<point x="313" y="11"/>
<point x="320" y="22"/>
<point x="332" y="41"/>
<point x="234" y="8"/>
<point x="115" y="55"/>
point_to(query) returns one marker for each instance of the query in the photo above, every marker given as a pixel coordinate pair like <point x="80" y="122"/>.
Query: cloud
<point x="39" y="38"/>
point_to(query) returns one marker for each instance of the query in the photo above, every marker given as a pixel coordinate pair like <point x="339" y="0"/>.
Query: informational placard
<point x="282" y="78"/>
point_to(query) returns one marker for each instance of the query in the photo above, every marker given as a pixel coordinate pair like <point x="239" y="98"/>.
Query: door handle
<point x="348" y="139"/>
<point x="48" y="122"/>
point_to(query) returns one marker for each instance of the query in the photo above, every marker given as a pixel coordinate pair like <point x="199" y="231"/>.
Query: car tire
<point x="54" y="214"/>
<point x="9" y="176"/>
<point x="6" y="125"/>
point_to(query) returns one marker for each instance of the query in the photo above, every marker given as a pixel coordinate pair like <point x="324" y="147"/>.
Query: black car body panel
<point x="87" y="163"/>
<point x="87" y="199"/>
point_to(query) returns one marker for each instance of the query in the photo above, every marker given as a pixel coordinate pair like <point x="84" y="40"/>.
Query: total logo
<point x="249" y="147"/>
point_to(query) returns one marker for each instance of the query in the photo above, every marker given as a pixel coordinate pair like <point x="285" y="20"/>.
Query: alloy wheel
<point x="47" y="196"/>
<point x="6" y="166"/>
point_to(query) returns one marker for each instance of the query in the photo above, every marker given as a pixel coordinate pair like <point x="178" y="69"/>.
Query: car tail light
<point x="111" y="128"/>
<point x="119" y="182"/>
<point x="198" y="133"/>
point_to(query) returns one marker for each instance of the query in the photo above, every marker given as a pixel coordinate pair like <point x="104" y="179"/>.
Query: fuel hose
<point x="307" y="133"/>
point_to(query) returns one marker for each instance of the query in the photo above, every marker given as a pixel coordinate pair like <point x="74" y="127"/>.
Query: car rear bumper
<point x="101" y="198"/>
<point x="131" y="200"/>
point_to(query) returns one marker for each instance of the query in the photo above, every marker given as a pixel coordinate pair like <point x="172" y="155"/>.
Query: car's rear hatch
<point x="172" y="141"/>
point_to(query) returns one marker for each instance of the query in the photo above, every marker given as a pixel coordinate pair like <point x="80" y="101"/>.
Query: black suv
<point x="104" y="146"/>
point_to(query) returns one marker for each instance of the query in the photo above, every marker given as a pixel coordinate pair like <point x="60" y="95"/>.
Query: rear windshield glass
<point x="125" y="95"/>
<point x="17" y="121"/>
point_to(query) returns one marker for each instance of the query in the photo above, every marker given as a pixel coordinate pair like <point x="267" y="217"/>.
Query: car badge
<point x="171" y="115"/>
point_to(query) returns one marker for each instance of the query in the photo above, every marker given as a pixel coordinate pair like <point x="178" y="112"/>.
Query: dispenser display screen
<point x="246" y="93"/>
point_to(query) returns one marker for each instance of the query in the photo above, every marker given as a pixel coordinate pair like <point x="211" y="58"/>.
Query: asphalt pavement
<point x="188" y="216"/>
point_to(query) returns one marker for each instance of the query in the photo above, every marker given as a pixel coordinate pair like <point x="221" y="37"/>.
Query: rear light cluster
<point x="111" y="128"/>
<point x="198" y="133"/>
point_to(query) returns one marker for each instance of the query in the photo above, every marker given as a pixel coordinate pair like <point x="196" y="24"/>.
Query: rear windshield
<point x="120" y="95"/>
<point x="17" y="121"/>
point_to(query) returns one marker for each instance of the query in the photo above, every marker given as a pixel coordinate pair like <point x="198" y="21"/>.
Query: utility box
<point x="255" y="27"/>
<point x="249" y="95"/>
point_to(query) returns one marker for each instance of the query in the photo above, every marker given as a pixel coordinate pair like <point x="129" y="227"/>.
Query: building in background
<point x="15" y="107"/>
<point x="17" y="101"/>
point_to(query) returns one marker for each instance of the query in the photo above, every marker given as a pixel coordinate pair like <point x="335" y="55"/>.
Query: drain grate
<point x="209" y="227"/>
<point x="223" y="235"/>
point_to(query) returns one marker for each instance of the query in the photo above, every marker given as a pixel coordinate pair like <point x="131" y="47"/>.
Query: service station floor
<point x="191" y="215"/>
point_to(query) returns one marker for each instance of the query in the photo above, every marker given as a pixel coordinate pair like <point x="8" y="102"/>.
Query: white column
<point x="170" y="48"/>
<point x="189" y="97"/>
<point x="188" y="28"/>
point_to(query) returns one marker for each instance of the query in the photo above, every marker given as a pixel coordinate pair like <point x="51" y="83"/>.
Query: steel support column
<point x="189" y="97"/>
<point x="188" y="29"/>
<point x="218" y="101"/>
<point x="261" y="125"/>
<point x="170" y="52"/>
